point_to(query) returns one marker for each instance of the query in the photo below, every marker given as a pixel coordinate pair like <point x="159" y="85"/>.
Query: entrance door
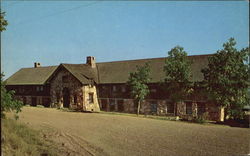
<point x="66" y="97"/>
<point x="33" y="101"/>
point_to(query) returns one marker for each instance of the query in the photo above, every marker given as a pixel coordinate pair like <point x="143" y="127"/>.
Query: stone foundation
<point x="129" y="106"/>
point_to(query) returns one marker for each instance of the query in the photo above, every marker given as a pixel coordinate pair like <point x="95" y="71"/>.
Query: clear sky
<point x="54" y="32"/>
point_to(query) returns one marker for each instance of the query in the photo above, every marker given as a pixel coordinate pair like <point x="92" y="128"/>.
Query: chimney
<point x="37" y="64"/>
<point x="91" y="61"/>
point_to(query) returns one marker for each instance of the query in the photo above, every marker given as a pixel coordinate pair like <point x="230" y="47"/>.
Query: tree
<point x="227" y="78"/>
<point x="138" y="81"/>
<point x="3" y="22"/>
<point x="7" y="101"/>
<point x="178" y="74"/>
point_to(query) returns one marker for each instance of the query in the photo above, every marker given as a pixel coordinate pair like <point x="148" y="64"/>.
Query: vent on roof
<point x="91" y="61"/>
<point x="37" y="64"/>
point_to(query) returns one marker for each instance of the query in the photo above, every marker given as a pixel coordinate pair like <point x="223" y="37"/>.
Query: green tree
<point x="138" y="81"/>
<point x="227" y="78"/>
<point x="7" y="101"/>
<point x="3" y="22"/>
<point x="178" y="74"/>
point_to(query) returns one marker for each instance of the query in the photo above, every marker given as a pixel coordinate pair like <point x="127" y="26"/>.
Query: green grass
<point x="67" y="110"/>
<point x="19" y="140"/>
<point x="40" y="106"/>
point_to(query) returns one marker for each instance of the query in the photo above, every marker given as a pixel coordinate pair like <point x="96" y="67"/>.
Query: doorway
<point x="33" y="101"/>
<point x="66" y="98"/>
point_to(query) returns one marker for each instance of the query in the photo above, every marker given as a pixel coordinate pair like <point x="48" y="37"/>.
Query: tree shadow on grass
<point x="235" y="123"/>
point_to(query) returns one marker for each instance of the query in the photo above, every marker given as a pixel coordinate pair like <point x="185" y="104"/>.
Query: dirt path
<point x="69" y="144"/>
<point x="101" y="134"/>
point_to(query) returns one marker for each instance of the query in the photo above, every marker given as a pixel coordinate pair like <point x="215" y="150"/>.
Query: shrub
<point x="201" y="118"/>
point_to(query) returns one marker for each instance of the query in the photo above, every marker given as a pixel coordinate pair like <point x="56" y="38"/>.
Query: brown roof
<point x="118" y="72"/>
<point x="106" y="72"/>
<point x="31" y="76"/>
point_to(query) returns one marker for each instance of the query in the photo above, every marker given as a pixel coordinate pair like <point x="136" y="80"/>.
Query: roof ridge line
<point x="151" y="58"/>
<point x="39" y="67"/>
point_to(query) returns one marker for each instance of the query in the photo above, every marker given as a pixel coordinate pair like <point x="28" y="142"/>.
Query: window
<point x="114" y="88"/>
<point x="65" y="79"/>
<point x="170" y="107"/>
<point x="123" y="89"/>
<point x="189" y="108"/>
<point x="91" y="97"/>
<point x="37" y="88"/>
<point x="120" y="105"/>
<point x="153" y="106"/>
<point x="103" y="104"/>
<point x="112" y="105"/>
<point x="33" y="101"/>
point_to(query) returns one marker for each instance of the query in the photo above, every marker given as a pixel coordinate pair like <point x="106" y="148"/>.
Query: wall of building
<point x="111" y="97"/>
<point x="34" y="100"/>
<point x="160" y="107"/>
<point x="57" y="85"/>
<point x="32" y="94"/>
<point x="78" y="93"/>
<point x="30" y="90"/>
<point x="90" y="103"/>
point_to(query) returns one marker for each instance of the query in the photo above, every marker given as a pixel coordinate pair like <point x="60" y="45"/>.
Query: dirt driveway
<point x="103" y="134"/>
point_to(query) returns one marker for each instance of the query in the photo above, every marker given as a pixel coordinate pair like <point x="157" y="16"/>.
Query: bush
<point x="201" y="118"/>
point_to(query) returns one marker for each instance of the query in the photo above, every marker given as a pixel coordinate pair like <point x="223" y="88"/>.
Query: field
<point x="76" y="133"/>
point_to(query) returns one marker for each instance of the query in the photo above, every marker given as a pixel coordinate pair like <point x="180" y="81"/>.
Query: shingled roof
<point x="83" y="72"/>
<point x="106" y="72"/>
<point x="118" y="72"/>
<point x="31" y="76"/>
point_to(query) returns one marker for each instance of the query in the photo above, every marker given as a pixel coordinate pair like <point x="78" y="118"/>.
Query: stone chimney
<point x="91" y="61"/>
<point x="37" y="64"/>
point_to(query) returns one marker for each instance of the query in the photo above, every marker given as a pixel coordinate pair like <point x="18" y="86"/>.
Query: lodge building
<point x="103" y="86"/>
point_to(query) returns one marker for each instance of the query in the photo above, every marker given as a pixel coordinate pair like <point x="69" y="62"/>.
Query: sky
<point x="54" y="32"/>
